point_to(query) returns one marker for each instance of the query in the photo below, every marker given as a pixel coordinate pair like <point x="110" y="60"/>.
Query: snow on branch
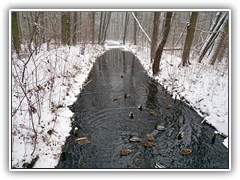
<point x="141" y="26"/>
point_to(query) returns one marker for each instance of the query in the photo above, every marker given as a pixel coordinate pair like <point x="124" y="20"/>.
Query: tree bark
<point x="66" y="28"/>
<point x="105" y="27"/>
<point x="189" y="38"/>
<point x="218" y="42"/>
<point x="135" y="30"/>
<point x="100" y="28"/>
<point x="74" y="32"/>
<point x="93" y="27"/>
<point x="158" y="54"/>
<point x="156" y="23"/>
<point x="218" y="15"/>
<point x="15" y="33"/>
<point x="125" y="27"/>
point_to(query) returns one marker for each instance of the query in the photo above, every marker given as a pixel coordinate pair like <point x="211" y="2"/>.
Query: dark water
<point x="102" y="115"/>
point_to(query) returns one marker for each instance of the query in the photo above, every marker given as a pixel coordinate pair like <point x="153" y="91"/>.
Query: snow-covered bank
<point x="52" y="81"/>
<point x="202" y="86"/>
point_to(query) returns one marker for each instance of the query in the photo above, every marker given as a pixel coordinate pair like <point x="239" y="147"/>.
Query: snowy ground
<point x="55" y="78"/>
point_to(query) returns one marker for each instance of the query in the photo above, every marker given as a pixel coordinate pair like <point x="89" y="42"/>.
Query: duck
<point x="185" y="151"/>
<point x="149" y="144"/>
<point x="82" y="140"/>
<point x="150" y="137"/>
<point x="160" y="128"/>
<point x="131" y="115"/>
<point x="75" y="131"/>
<point x="158" y="165"/>
<point x="125" y="152"/>
<point x="126" y="95"/>
<point x="140" y="107"/>
<point x="214" y="136"/>
<point x="168" y="106"/>
<point x="115" y="98"/>
<point x="153" y="113"/>
<point x="180" y="135"/>
<point x="133" y="138"/>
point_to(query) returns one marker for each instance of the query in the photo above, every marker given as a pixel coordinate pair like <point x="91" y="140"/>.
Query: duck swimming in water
<point x="180" y="135"/>
<point x="75" y="132"/>
<point x="140" y="107"/>
<point x="131" y="115"/>
<point x="214" y="136"/>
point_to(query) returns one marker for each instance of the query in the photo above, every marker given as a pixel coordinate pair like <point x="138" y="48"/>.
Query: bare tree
<point x="189" y="37"/>
<point x="219" y="42"/>
<point x="105" y="26"/>
<point x="210" y="39"/>
<point x="156" y="23"/>
<point x="158" y="54"/>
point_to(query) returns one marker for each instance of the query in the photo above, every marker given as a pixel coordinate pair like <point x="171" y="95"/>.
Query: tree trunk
<point x="100" y="28"/>
<point x="15" y="33"/>
<point x="156" y="23"/>
<point x="135" y="30"/>
<point x="158" y="54"/>
<point x="66" y="28"/>
<point x="80" y="28"/>
<point x="125" y="27"/>
<point x="42" y="33"/>
<point x="105" y="27"/>
<point x="224" y="49"/>
<point x="210" y="38"/>
<point x="218" y="42"/>
<point x="74" y="32"/>
<point x="218" y="15"/>
<point x="93" y="27"/>
<point x="189" y="38"/>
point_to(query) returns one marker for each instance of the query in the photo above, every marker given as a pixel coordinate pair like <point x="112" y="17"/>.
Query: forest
<point x="55" y="54"/>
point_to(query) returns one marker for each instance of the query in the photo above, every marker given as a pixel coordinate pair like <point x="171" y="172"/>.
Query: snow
<point x="66" y="70"/>
<point x="55" y="78"/>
